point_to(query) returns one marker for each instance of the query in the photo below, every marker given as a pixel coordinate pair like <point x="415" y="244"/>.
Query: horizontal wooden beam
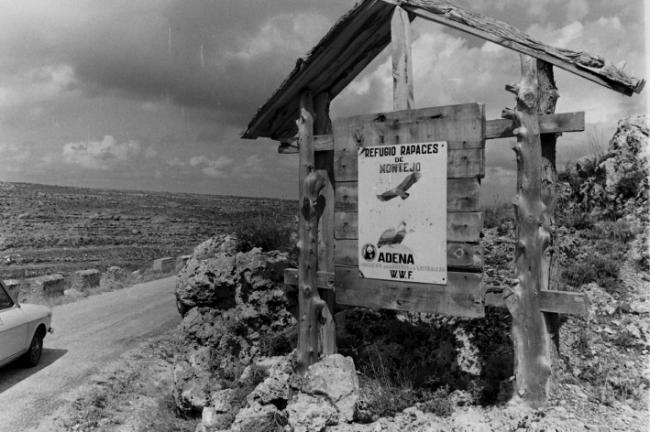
<point x="462" y="296"/>
<point x="497" y="128"/>
<point x="562" y="302"/>
<point x="460" y="164"/>
<point x="548" y="123"/>
<point x="320" y="143"/>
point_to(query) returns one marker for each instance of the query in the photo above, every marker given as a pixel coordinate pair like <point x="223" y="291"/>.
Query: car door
<point x="13" y="327"/>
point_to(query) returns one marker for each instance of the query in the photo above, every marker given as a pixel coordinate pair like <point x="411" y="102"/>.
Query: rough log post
<point x="310" y="305"/>
<point x="324" y="162"/>
<point x="548" y="96"/>
<point x="402" y="62"/>
<point x="530" y="338"/>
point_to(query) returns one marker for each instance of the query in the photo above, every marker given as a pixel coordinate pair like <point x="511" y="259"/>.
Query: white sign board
<point x="403" y="212"/>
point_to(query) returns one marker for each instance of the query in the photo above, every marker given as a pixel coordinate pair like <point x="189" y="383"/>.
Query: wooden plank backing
<point x="464" y="256"/>
<point x="562" y="302"/>
<point x="462" y="296"/>
<point x="548" y="123"/>
<point x="496" y="128"/>
<point x="462" y="195"/>
<point x="460" y="164"/>
<point x="461" y="226"/>
<point x="462" y="126"/>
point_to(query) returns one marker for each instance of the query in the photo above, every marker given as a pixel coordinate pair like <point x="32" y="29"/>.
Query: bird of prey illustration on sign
<point x="400" y="189"/>
<point x="392" y="236"/>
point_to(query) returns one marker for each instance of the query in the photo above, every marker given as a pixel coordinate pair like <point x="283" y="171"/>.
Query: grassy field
<point x="56" y="229"/>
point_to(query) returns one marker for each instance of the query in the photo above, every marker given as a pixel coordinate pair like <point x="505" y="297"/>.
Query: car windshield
<point x="5" y="299"/>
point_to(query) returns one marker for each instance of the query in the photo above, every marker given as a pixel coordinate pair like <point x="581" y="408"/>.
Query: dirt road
<point x="88" y="334"/>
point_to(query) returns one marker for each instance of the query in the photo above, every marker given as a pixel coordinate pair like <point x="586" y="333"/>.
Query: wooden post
<point x="402" y="62"/>
<point x="530" y="338"/>
<point x="548" y="96"/>
<point x="324" y="162"/>
<point x="310" y="305"/>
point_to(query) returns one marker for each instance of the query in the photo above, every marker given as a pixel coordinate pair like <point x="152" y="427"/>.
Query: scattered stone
<point x="181" y="261"/>
<point x="85" y="279"/>
<point x="632" y="331"/>
<point x="73" y="293"/>
<point x="213" y="421"/>
<point x="222" y="400"/>
<point x="259" y="418"/>
<point x="275" y="387"/>
<point x="164" y="265"/>
<point x="13" y="286"/>
<point x="335" y="378"/>
<point x="193" y="382"/>
<point x="640" y="307"/>
<point x="600" y="302"/>
<point x="114" y="277"/>
<point x="311" y="413"/>
<point x="50" y="285"/>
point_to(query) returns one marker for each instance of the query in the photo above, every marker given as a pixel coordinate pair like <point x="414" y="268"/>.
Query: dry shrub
<point x="593" y="268"/>
<point x="266" y="230"/>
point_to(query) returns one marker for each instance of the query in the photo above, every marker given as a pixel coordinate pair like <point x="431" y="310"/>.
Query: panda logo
<point x="369" y="252"/>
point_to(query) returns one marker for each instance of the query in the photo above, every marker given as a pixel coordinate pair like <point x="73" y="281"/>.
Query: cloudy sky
<point x="153" y="94"/>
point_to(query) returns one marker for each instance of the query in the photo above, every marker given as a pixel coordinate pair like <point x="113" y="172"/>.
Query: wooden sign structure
<point x="462" y="128"/>
<point x="329" y="179"/>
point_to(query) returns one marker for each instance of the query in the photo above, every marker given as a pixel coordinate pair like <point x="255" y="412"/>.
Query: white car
<point x="22" y="329"/>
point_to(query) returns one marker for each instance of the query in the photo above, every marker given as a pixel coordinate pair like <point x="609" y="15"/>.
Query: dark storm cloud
<point x="201" y="54"/>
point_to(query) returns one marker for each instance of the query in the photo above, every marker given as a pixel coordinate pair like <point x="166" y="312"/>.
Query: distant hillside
<point x="48" y="229"/>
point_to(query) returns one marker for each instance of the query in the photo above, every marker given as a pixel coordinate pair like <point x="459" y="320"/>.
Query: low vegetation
<point x="268" y="230"/>
<point x="58" y="229"/>
<point x="132" y="395"/>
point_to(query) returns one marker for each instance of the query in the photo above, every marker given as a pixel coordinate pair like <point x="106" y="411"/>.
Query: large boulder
<point x="217" y="276"/>
<point x="193" y="381"/>
<point x="209" y="282"/>
<point x="335" y="378"/>
<point x="216" y="245"/>
<point x="275" y="387"/>
<point x="259" y="418"/>
<point x="236" y="312"/>
<point x="85" y="279"/>
<point x="309" y="413"/>
<point x="626" y="161"/>
<point x="614" y="184"/>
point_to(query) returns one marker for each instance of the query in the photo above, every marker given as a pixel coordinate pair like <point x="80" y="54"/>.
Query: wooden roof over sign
<point x="362" y="33"/>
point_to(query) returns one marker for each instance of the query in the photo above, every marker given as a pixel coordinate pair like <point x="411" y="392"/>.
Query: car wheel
<point x="33" y="355"/>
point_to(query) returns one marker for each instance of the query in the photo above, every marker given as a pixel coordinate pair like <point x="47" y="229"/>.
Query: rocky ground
<point x="128" y="395"/>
